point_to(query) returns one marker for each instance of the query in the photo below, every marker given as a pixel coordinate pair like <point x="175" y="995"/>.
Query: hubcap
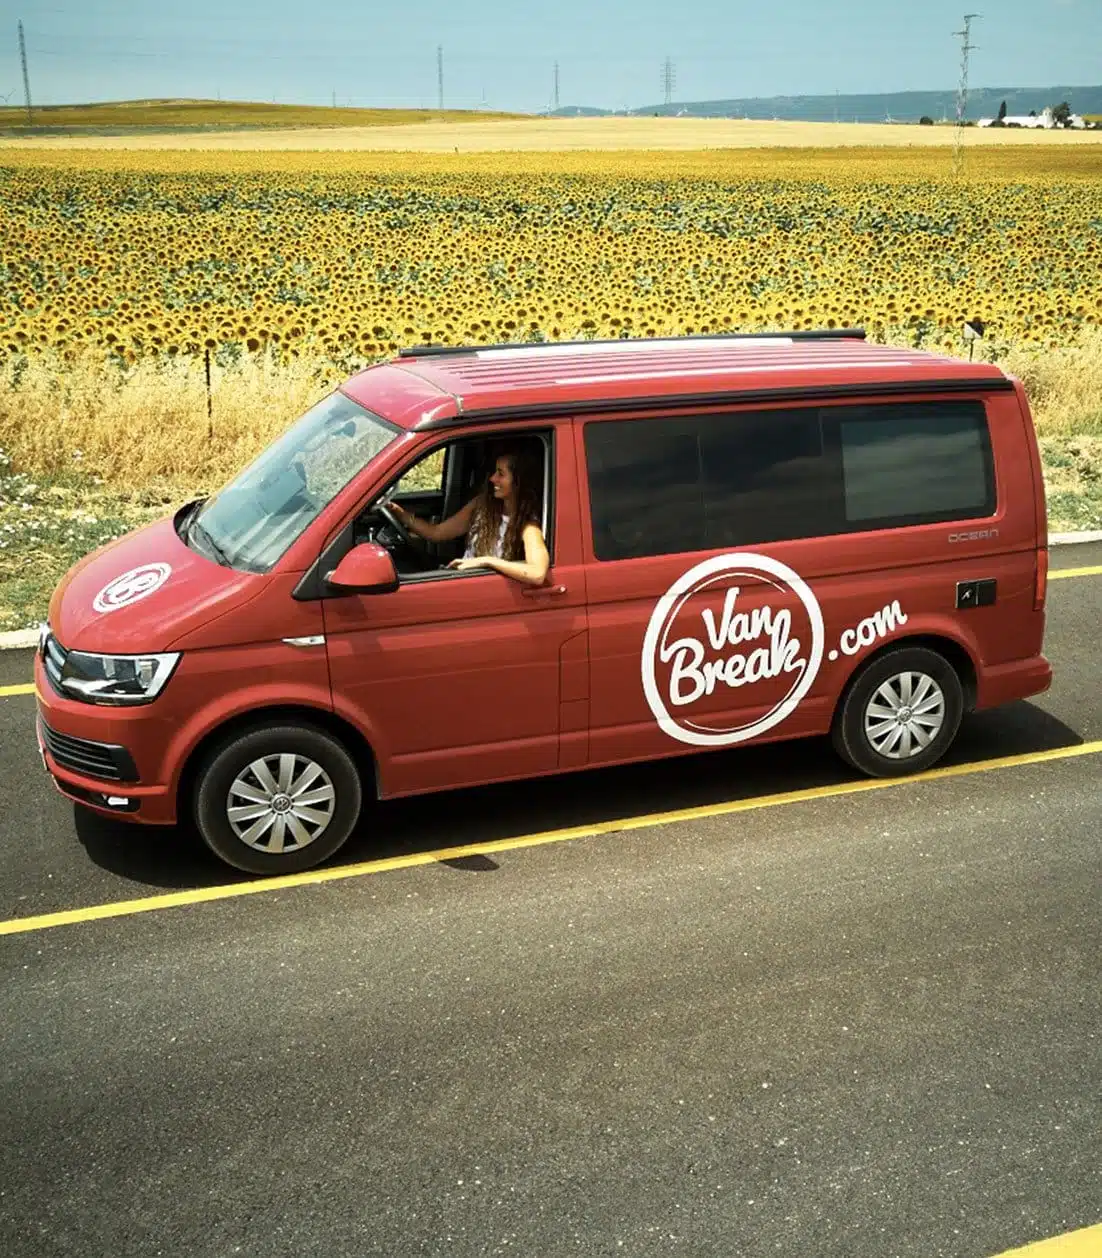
<point x="905" y="715"/>
<point x="280" y="803"/>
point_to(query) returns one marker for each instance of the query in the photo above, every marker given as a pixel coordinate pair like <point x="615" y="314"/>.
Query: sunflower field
<point x="346" y="257"/>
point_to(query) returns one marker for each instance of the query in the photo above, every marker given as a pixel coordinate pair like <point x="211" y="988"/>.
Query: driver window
<point x="440" y="485"/>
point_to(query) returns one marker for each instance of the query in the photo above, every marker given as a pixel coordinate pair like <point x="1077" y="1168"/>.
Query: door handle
<point x="543" y="591"/>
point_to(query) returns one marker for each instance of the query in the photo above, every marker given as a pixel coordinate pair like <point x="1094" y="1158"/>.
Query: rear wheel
<point x="901" y="713"/>
<point x="277" y="800"/>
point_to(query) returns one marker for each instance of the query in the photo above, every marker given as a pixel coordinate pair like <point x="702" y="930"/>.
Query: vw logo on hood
<point x="132" y="586"/>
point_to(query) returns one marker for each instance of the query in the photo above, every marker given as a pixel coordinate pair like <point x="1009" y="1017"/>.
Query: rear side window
<point x="708" y="482"/>
<point x="916" y="464"/>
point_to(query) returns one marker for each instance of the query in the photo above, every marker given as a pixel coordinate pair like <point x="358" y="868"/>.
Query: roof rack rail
<point x="810" y="334"/>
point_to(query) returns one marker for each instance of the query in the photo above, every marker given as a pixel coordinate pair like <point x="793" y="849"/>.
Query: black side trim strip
<point x="805" y="334"/>
<point x="683" y="401"/>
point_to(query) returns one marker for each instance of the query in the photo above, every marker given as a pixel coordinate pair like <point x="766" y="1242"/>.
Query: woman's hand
<point x="465" y="565"/>
<point x="411" y="523"/>
<point x="531" y="570"/>
<point x="455" y="526"/>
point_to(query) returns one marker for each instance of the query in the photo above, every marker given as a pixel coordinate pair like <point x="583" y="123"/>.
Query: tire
<point x="258" y="774"/>
<point x="875" y="729"/>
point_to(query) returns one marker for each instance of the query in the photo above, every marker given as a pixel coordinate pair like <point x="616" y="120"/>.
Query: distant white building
<point x="1043" y="120"/>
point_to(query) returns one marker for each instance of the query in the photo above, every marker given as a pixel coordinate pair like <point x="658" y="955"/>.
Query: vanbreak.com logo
<point x="734" y="632"/>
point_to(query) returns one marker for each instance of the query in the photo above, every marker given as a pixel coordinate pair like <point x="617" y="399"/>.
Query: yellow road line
<point x="203" y="895"/>
<point x="26" y="688"/>
<point x="1085" y="1243"/>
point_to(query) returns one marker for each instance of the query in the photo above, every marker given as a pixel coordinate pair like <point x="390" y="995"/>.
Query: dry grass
<point x="1064" y="385"/>
<point x="1065" y="388"/>
<point x="146" y="429"/>
<point x="573" y="134"/>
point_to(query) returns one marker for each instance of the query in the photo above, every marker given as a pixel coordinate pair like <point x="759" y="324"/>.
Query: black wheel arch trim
<point x="954" y="654"/>
<point x="353" y="741"/>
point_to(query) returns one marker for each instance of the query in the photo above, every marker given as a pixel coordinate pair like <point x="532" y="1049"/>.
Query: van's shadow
<point x="176" y="857"/>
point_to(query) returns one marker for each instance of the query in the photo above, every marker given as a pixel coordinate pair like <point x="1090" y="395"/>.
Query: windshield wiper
<point x="185" y="517"/>
<point x="195" y="528"/>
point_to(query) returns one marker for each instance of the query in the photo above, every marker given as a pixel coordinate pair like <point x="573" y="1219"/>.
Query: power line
<point x="440" y="77"/>
<point x="107" y="46"/>
<point x="110" y="54"/>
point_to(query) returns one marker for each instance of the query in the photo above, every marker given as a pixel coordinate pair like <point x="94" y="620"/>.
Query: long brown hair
<point x="527" y="471"/>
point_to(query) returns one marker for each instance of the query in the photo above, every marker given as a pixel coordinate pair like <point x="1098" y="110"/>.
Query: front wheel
<point x="901" y="713"/>
<point x="277" y="800"/>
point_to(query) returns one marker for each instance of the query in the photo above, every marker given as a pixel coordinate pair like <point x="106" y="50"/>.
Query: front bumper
<point x="94" y="756"/>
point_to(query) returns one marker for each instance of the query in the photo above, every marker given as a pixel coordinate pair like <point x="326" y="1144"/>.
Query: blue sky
<point x="501" y="55"/>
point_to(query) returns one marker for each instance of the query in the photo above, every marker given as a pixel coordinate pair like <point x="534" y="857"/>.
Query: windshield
<point x="255" y="518"/>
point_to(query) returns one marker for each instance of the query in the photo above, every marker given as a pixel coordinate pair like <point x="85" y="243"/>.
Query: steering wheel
<point x="408" y="537"/>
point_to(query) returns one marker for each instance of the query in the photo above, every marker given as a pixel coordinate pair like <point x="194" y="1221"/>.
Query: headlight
<point x="116" y="679"/>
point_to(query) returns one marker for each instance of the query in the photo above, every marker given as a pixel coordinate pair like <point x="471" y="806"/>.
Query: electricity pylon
<point x="966" y="47"/>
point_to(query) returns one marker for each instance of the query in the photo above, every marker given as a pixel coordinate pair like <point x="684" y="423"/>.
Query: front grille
<point x="95" y="760"/>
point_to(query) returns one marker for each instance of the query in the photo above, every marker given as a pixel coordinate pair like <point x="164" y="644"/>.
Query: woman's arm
<point x="453" y="526"/>
<point x="532" y="570"/>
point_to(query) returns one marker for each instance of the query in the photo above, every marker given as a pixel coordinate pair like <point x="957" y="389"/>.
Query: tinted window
<point x="767" y="478"/>
<point x="919" y="463"/>
<point x="660" y="486"/>
<point x="645" y="487"/>
<point x="710" y="482"/>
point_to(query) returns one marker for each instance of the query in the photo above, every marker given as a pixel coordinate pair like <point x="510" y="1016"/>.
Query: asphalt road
<point x="861" y="1025"/>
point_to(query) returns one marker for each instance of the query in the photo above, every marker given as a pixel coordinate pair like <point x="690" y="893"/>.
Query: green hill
<point x="210" y="115"/>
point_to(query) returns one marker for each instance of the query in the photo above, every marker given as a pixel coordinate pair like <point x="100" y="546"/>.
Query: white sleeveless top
<point x="498" y="550"/>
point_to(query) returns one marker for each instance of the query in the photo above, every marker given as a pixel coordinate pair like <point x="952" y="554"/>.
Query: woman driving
<point x="501" y="523"/>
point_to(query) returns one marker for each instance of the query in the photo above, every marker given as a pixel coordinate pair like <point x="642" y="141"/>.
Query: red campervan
<point x="751" y="538"/>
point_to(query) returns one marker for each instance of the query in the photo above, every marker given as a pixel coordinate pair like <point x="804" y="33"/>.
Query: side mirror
<point x="366" y="569"/>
